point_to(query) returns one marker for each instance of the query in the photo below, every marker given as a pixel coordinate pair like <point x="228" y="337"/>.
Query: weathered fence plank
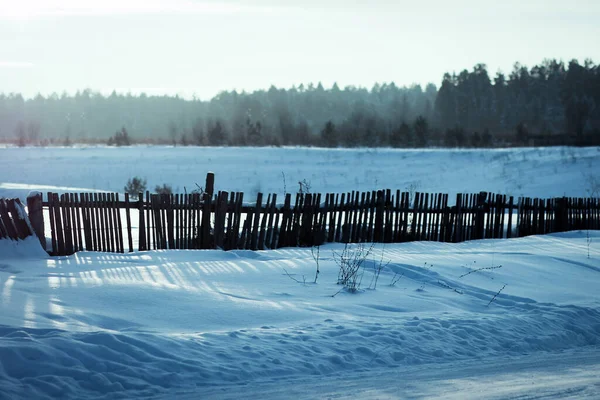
<point x="89" y="225"/>
<point x="18" y="218"/>
<point x="255" y="226"/>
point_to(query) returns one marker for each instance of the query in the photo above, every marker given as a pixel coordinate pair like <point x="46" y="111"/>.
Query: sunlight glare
<point x="29" y="313"/>
<point x="7" y="288"/>
<point x="54" y="282"/>
<point x="56" y="309"/>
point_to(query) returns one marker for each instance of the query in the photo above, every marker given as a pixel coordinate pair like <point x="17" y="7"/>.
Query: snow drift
<point x="208" y="323"/>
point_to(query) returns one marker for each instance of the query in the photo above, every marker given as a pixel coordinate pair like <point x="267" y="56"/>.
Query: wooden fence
<point x="103" y="221"/>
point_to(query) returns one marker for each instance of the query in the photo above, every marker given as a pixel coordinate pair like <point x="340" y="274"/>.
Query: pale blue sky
<point x="196" y="47"/>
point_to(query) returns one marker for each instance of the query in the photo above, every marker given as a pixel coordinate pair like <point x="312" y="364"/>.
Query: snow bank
<point x="28" y="248"/>
<point x="166" y="322"/>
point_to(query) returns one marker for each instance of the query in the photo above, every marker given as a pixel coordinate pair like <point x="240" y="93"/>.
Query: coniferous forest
<point x="552" y="103"/>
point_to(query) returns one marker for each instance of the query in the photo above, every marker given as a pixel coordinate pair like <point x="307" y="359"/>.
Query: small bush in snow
<point x="135" y="186"/>
<point x="199" y="190"/>
<point x="377" y="268"/>
<point x="305" y="186"/>
<point x="350" y="261"/>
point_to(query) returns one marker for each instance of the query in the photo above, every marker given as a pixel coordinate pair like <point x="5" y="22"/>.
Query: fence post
<point x="285" y="221"/>
<point x="378" y="237"/>
<point x="306" y="220"/>
<point x="142" y="241"/>
<point x="220" y="215"/>
<point x="36" y="216"/>
<point x="458" y="219"/>
<point x="209" y="189"/>
<point x="480" y="215"/>
<point x="210" y="184"/>
<point x="3" y="229"/>
<point x="560" y="214"/>
<point x="8" y="222"/>
<point x="510" y="217"/>
<point x="254" y="228"/>
<point x="19" y="218"/>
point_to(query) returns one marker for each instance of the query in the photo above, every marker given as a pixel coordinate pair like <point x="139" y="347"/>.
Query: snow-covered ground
<point x="515" y="318"/>
<point x="213" y="324"/>
<point x="532" y="172"/>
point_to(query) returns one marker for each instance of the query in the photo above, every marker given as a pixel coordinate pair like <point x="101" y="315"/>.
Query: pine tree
<point x="421" y="130"/>
<point x="329" y="135"/>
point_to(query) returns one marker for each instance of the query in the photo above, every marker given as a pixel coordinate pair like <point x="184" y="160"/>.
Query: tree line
<point x="550" y="103"/>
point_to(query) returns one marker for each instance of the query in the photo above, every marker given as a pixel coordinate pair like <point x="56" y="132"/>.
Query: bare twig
<point x="427" y="268"/>
<point x="284" y="185"/>
<point x="316" y="258"/>
<point x="294" y="279"/>
<point x="396" y="278"/>
<point x="496" y="295"/>
<point x="445" y="285"/>
<point x="377" y="268"/>
<point x="479" y="269"/>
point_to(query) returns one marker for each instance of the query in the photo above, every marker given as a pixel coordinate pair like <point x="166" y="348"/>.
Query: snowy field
<point x="489" y="319"/>
<point x="213" y="324"/>
<point x="541" y="172"/>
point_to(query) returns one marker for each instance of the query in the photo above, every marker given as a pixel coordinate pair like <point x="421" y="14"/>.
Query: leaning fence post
<point x="8" y="222"/>
<point x="36" y="216"/>
<point x="19" y="218"/>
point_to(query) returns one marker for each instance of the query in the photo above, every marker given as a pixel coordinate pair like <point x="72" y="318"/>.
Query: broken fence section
<point x="14" y="221"/>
